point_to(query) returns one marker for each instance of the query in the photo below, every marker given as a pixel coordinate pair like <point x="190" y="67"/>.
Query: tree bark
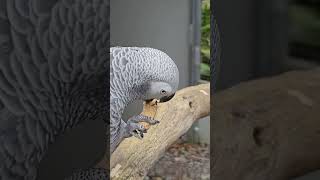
<point x="134" y="157"/>
<point x="267" y="128"/>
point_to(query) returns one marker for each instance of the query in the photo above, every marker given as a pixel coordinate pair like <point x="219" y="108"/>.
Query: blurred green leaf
<point x="205" y="41"/>
<point x="205" y="71"/>
<point x="305" y="24"/>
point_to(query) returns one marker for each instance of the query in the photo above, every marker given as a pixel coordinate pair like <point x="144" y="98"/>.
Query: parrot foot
<point x="137" y="129"/>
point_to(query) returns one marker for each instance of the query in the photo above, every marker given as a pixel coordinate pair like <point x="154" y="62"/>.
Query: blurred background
<point x="266" y="38"/>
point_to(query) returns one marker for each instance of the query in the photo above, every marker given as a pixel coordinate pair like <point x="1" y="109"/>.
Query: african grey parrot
<point x="53" y="56"/>
<point x="137" y="73"/>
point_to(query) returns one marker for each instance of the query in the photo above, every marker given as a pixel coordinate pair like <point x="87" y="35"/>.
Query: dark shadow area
<point x="78" y="149"/>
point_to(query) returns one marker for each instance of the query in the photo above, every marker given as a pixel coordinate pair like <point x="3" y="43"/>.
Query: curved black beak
<point x="166" y="98"/>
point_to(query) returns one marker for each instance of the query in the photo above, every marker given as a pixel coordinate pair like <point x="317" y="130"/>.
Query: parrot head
<point x="152" y="73"/>
<point x="164" y="79"/>
<point x="162" y="91"/>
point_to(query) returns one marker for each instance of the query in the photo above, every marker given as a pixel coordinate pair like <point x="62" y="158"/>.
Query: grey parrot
<point x="137" y="73"/>
<point x="53" y="64"/>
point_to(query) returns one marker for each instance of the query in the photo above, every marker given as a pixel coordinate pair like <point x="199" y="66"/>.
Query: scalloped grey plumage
<point x="215" y="49"/>
<point x="130" y="69"/>
<point x="52" y="66"/>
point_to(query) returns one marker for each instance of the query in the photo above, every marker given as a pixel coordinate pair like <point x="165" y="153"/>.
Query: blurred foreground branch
<point x="267" y="128"/>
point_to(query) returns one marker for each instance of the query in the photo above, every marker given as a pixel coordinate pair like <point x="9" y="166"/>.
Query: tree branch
<point x="267" y="129"/>
<point x="133" y="157"/>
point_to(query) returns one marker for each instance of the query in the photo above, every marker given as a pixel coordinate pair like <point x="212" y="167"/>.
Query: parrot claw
<point x="137" y="134"/>
<point x="135" y="129"/>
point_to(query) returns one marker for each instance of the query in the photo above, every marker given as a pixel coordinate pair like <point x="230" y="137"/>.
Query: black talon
<point x="136" y="133"/>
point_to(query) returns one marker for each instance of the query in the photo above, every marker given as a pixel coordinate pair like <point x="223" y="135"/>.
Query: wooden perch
<point x="133" y="157"/>
<point x="267" y="129"/>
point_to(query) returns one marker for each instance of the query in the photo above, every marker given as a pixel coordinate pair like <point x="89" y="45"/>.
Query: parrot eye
<point x="163" y="92"/>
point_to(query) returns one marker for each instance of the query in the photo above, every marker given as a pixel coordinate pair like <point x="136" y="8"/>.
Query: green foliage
<point x="205" y="71"/>
<point x="305" y="24"/>
<point x="205" y="41"/>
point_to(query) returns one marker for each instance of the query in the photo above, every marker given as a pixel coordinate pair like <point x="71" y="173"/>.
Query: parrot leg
<point x="143" y="118"/>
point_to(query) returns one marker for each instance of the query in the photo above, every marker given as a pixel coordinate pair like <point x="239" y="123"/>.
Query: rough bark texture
<point x="267" y="129"/>
<point x="133" y="157"/>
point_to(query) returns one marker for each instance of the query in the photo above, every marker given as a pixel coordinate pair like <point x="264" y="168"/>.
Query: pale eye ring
<point x="163" y="92"/>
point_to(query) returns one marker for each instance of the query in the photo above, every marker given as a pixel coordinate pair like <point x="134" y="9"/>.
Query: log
<point x="267" y="129"/>
<point x="134" y="157"/>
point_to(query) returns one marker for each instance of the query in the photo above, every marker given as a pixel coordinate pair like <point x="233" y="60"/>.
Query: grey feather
<point x="51" y="77"/>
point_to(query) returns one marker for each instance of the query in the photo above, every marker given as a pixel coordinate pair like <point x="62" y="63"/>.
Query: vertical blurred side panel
<point x="215" y="48"/>
<point x="215" y="51"/>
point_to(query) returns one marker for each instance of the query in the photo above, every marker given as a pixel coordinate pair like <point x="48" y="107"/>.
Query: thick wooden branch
<point x="133" y="157"/>
<point x="267" y="129"/>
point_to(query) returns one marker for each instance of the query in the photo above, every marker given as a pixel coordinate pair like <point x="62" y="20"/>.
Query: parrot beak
<point x="166" y="98"/>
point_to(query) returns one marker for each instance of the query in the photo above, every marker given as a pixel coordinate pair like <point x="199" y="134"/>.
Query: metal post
<point x="196" y="33"/>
